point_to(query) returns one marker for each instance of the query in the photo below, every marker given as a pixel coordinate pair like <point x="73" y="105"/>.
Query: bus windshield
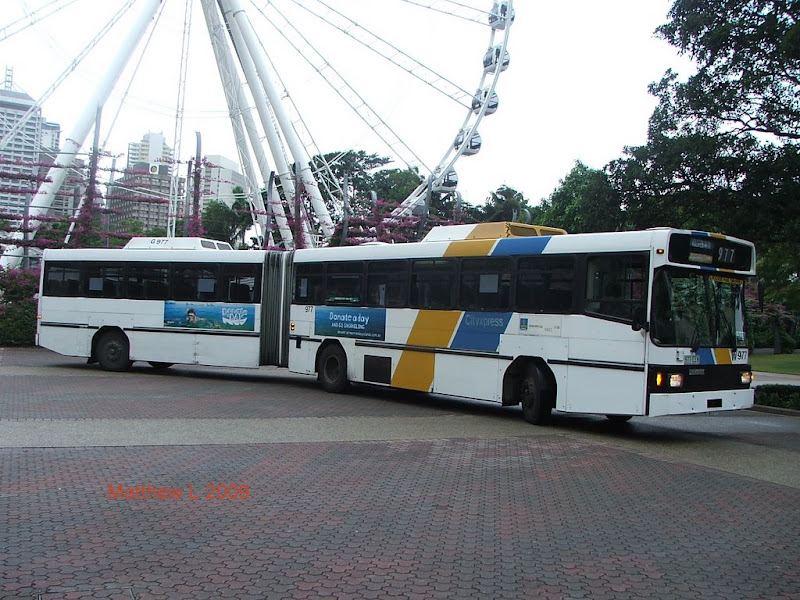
<point x="697" y="309"/>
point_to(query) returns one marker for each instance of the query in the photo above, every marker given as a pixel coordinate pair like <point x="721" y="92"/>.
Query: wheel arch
<point x="99" y="334"/>
<point x="327" y="343"/>
<point x="516" y="372"/>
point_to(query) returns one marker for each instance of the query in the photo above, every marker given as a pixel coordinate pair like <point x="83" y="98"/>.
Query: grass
<point x="788" y="364"/>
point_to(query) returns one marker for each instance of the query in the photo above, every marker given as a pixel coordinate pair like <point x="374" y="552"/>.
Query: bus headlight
<point x="747" y="377"/>
<point x="675" y="380"/>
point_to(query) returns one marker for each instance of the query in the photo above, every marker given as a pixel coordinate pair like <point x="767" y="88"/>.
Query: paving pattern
<point x="545" y="515"/>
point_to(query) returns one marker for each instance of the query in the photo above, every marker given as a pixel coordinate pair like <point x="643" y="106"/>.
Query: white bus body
<point x="621" y="324"/>
<point x="132" y="301"/>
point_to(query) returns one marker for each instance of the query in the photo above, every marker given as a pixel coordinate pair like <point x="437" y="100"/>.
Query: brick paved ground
<point x="518" y="518"/>
<point x="538" y="516"/>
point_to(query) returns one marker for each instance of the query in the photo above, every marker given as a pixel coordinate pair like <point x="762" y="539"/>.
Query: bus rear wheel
<point x="333" y="369"/>
<point x="536" y="407"/>
<point x="113" y="351"/>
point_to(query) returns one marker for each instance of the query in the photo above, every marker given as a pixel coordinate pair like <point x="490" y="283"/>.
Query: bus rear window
<point x="62" y="279"/>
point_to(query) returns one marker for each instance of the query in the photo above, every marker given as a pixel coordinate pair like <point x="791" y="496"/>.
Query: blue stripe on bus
<point x="520" y="245"/>
<point x="706" y="356"/>
<point x="480" y="331"/>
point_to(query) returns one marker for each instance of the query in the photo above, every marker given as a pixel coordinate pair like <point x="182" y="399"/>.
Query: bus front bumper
<point x="682" y="403"/>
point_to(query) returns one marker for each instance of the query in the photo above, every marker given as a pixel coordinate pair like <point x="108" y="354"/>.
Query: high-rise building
<point x="25" y="158"/>
<point x="219" y="177"/>
<point x="141" y="196"/>
<point x="153" y="152"/>
<point x="142" y="193"/>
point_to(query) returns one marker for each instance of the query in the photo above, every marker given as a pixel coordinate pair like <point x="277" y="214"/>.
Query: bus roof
<point x="656" y="239"/>
<point x="175" y="243"/>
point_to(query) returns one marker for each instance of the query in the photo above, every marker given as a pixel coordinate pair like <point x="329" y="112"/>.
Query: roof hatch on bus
<point x="178" y="243"/>
<point x="489" y="231"/>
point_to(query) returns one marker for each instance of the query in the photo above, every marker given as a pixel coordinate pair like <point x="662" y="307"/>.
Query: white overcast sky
<point x="576" y="88"/>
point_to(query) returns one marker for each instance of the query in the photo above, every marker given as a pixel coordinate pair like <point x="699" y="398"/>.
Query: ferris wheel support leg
<point x="43" y="199"/>
<point x="273" y="139"/>
<point x="231" y="85"/>
<point x="296" y="148"/>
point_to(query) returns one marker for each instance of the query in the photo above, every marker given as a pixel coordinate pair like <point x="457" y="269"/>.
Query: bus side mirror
<point x="639" y="321"/>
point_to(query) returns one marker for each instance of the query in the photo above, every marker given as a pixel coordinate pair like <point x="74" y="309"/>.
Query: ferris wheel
<point x="280" y="61"/>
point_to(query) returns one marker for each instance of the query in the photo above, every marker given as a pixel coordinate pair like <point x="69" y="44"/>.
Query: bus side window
<point x="387" y="283"/>
<point x="433" y="283"/>
<point x="545" y="284"/>
<point x="309" y="283"/>
<point x="62" y="279"/>
<point x="485" y="284"/>
<point x="104" y="281"/>
<point x="616" y="285"/>
<point x="148" y="281"/>
<point x="343" y="282"/>
<point x="241" y="283"/>
<point x="194" y="282"/>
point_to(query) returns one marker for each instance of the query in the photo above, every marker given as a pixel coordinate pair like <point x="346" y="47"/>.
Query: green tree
<point x="357" y="165"/>
<point x="584" y="201"/>
<point x="748" y="58"/>
<point x="226" y="224"/>
<point x="505" y="204"/>
<point x="394" y="185"/>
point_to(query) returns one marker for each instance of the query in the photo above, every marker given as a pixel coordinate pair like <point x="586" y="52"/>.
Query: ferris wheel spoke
<point x="455" y="9"/>
<point x="64" y="74"/>
<point x="357" y="103"/>
<point x="388" y="51"/>
<point x="32" y="19"/>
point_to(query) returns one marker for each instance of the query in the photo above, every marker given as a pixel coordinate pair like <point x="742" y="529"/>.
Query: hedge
<point x="18" y="323"/>
<point x="778" y="396"/>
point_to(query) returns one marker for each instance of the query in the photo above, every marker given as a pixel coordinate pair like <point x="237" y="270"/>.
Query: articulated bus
<point x="619" y="324"/>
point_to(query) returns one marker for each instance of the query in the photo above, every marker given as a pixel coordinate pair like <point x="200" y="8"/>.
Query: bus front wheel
<point x="536" y="407"/>
<point x="113" y="351"/>
<point x="333" y="369"/>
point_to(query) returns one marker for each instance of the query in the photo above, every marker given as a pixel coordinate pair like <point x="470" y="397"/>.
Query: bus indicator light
<point x="659" y="379"/>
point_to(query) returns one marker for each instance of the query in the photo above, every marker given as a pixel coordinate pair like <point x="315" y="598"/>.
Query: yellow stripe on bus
<point x="722" y="356"/>
<point x="432" y="329"/>
<point x="470" y="248"/>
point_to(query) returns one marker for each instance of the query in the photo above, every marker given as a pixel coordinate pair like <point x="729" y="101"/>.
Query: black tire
<point x="159" y="366"/>
<point x="113" y="351"/>
<point x="536" y="404"/>
<point x="333" y="369"/>
<point x="619" y="418"/>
